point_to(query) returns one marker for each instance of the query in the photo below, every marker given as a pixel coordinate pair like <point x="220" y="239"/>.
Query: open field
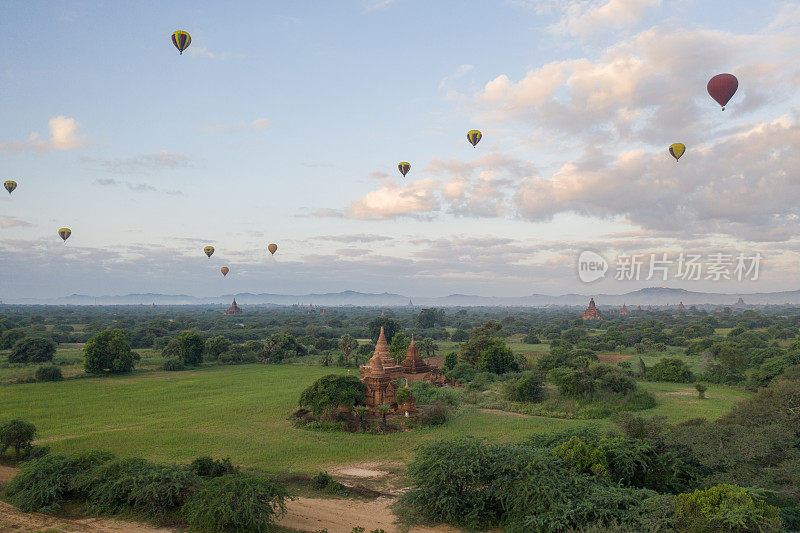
<point x="241" y="412"/>
<point x="235" y="411"/>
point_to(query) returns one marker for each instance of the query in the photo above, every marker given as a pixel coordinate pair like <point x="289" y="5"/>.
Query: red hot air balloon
<point x="722" y="87"/>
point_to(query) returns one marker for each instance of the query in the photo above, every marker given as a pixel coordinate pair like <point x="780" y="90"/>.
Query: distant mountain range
<point x="657" y="296"/>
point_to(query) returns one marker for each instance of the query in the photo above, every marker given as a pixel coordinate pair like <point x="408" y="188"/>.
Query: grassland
<point x="241" y="412"/>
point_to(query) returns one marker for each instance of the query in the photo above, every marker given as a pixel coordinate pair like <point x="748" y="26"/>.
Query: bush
<point x="217" y="346"/>
<point x="191" y="347"/>
<point x="49" y="373"/>
<point x="16" y="434"/>
<point x="173" y="364"/>
<point x="426" y="393"/>
<point x="462" y="372"/>
<point x="236" y="502"/>
<point x="531" y="338"/>
<point x="32" y="350"/>
<point x="434" y="415"/>
<point x="44" y="483"/>
<point x="281" y="346"/>
<point x="596" y="380"/>
<point x="450" y="361"/>
<point x="727" y="508"/>
<point x="108" y="351"/>
<point x="332" y="391"/>
<point x="207" y="467"/>
<point x="670" y="369"/>
<point x="324" y="481"/>
<point x="701" y="389"/>
<point x="527" y="389"/>
<point x="134" y="484"/>
<point x="403" y="395"/>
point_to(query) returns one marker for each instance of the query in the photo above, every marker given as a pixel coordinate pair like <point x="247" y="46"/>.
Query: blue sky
<point x="284" y="122"/>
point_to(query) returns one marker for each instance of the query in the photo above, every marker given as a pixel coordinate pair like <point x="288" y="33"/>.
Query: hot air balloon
<point x="474" y="137"/>
<point x="722" y="87"/>
<point x="10" y="185"/>
<point x="64" y="233"/>
<point x="676" y="150"/>
<point x="404" y="168"/>
<point x="272" y="248"/>
<point x="224" y="271"/>
<point x="209" y="250"/>
<point x="181" y="40"/>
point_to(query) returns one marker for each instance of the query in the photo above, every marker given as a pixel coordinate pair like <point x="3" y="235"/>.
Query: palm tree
<point x="384" y="409"/>
<point x="361" y="410"/>
<point x="347" y="344"/>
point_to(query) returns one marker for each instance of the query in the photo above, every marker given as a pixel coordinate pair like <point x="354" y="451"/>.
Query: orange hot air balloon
<point x="224" y="271"/>
<point x="209" y="250"/>
<point x="272" y="248"/>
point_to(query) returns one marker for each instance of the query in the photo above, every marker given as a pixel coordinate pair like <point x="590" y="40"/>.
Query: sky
<point x="284" y="122"/>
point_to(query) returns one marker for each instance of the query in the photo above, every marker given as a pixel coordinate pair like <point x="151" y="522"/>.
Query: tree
<point x="332" y="391"/>
<point x="726" y="508"/>
<point x="16" y="434"/>
<point x="191" y="347"/>
<point x="347" y="344"/>
<point x="390" y="327"/>
<point x="399" y="346"/>
<point x="10" y="338"/>
<point x="670" y="369"/>
<point x="360" y="411"/>
<point x="384" y="409"/>
<point x="531" y="338"/>
<point x="498" y="358"/>
<point x="701" y="389"/>
<point x="428" y="318"/>
<point x="479" y="339"/>
<point x="280" y="346"/>
<point x="217" y="346"/>
<point x="450" y="360"/>
<point x="108" y="351"/>
<point x="32" y="350"/>
<point x="427" y="346"/>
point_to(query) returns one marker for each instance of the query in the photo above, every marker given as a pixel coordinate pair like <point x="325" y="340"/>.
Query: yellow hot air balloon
<point x="272" y="248"/>
<point x="474" y="137"/>
<point x="181" y="40"/>
<point x="404" y="167"/>
<point x="224" y="271"/>
<point x="676" y="150"/>
<point x="64" y="233"/>
<point x="209" y="250"/>
<point x="10" y="185"/>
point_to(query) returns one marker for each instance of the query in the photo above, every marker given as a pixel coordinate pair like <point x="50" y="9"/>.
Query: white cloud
<point x="583" y="18"/>
<point x="63" y="136"/>
<point x="140" y="163"/>
<point x="13" y="222"/>
<point x="390" y="201"/>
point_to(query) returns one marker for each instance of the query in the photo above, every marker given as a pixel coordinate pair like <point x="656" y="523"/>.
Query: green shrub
<point x="527" y="389"/>
<point x="403" y="395"/>
<point x="670" y="369"/>
<point x="433" y="415"/>
<point x="207" y="467"/>
<point x="17" y="434"/>
<point x="135" y="484"/>
<point x="462" y="372"/>
<point x="725" y="508"/>
<point x="44" y="483"/>
<point x="450" y="361"/>
<point x="332" y="391"/>
<point x="426" y="393"/>
<point x="236" y="502"/>
<point x="49" y="373"/>
<point x="596" y="380"/>
<point x="217" y="346"/>
<point x="32" y="350"/>
<point x="531" y="338"/>
<point x="190" y="345"/>
<point x="324" y="481"/>
<point x="108" y="351"/>
<point x="173" y="364"/>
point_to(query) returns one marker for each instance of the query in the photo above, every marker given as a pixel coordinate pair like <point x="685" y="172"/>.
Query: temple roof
<point x="382" y="351"/>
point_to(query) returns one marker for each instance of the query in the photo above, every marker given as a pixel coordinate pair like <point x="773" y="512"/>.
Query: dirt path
<point x="341" y="516"/>
<point x="14" y="520"/>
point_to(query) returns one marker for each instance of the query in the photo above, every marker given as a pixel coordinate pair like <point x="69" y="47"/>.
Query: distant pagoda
<point x="681" y="307"/>
<point x="592" y="312"/>
<point x="233" y="309"/>
<point x="623" y="311"/>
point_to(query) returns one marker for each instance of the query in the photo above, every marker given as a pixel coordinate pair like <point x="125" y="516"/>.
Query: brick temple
<point x="233" y="309"/>
<point x="592" y="312"/>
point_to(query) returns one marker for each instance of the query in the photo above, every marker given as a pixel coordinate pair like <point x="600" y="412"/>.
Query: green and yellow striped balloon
<point x="64" y="233"/>
<point x="474" y="137"/>
<point x="181" y="40"/>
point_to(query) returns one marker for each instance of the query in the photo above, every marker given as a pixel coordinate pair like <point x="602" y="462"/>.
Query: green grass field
<point x="235" y="411"/>
<point x="241" y="412"/>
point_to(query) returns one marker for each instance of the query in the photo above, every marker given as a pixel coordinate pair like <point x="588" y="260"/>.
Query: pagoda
<point x="389" y="365"/>
<point x="681" y="307"/>
<point x="623" y="311"/>
<point x="413" y="364"/>
<point x="233" y="309"/>
<point x="592" y="312"/>
<point x="380" y="386"/>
